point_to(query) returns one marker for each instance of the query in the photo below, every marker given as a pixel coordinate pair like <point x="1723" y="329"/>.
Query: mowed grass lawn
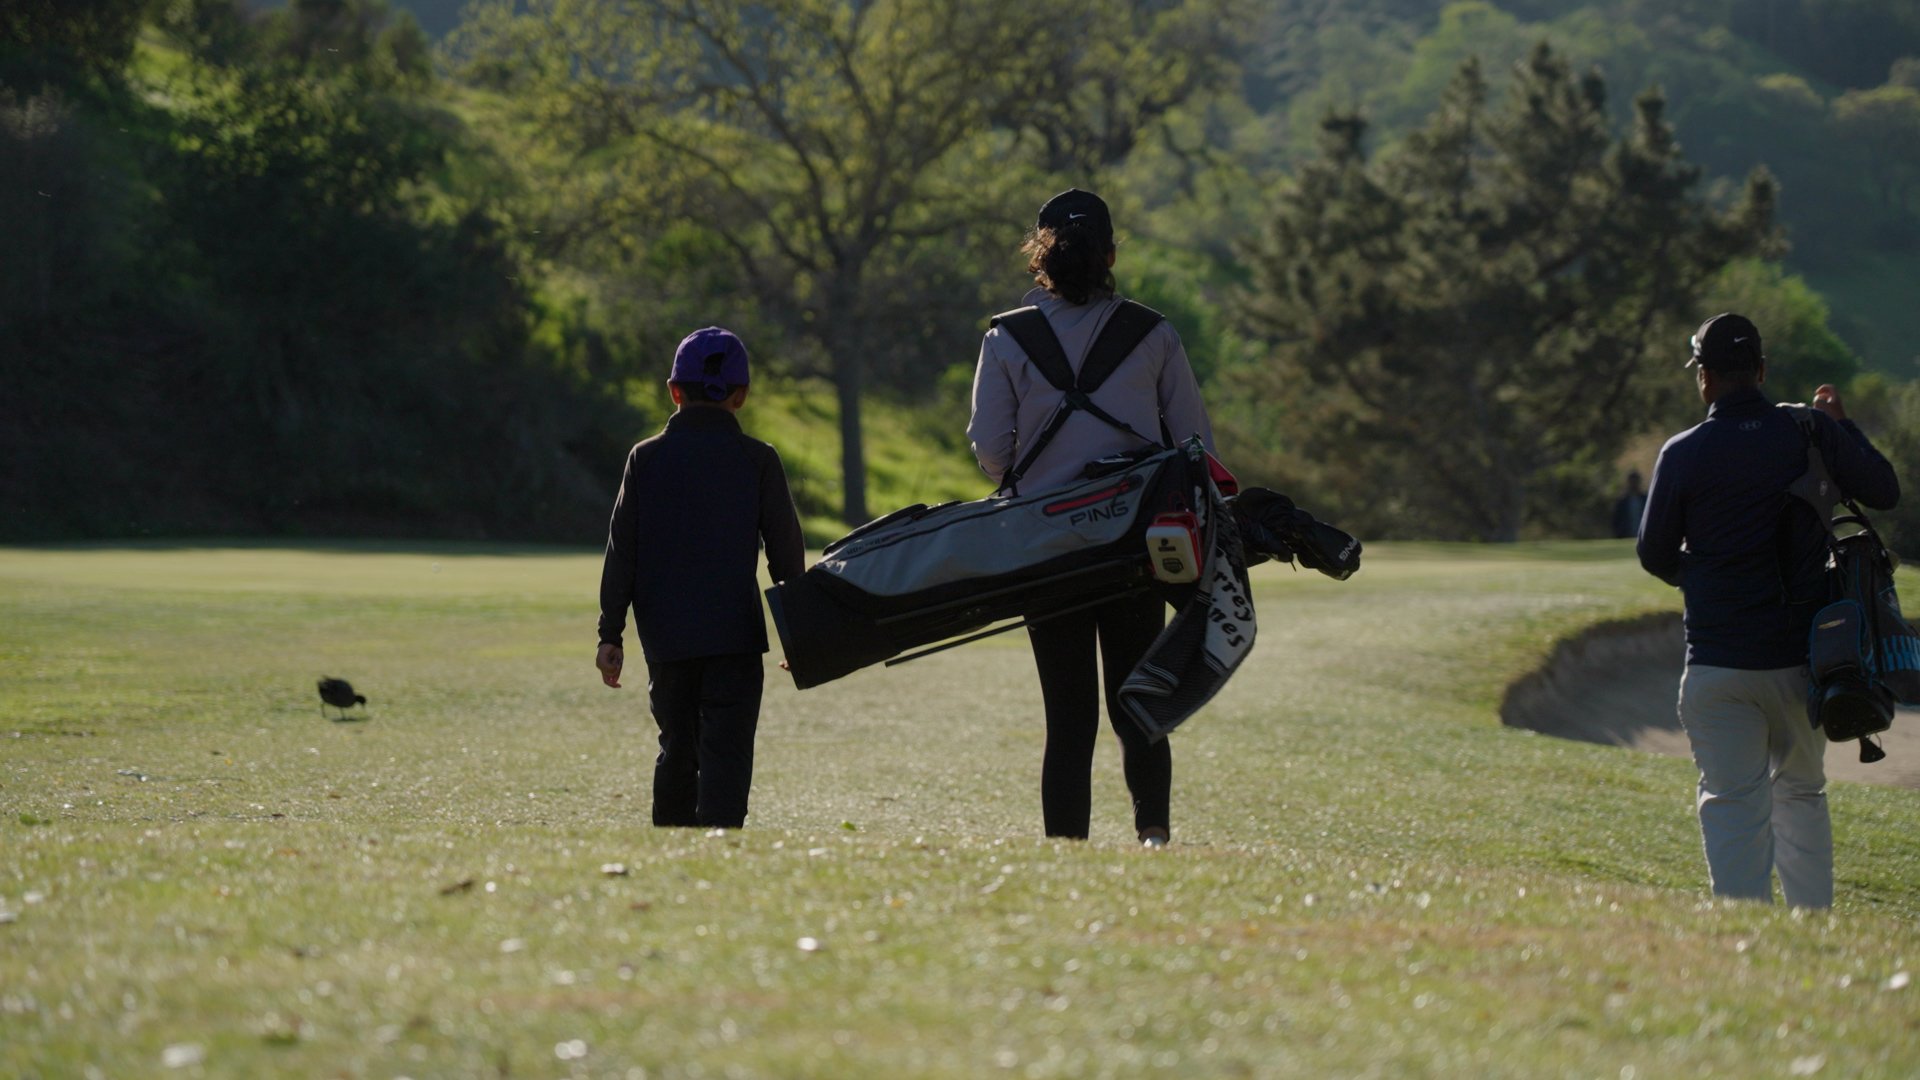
<point x="1370" y="876"/>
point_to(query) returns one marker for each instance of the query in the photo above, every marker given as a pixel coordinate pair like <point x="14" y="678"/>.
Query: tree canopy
<point x="433" y="286"/>
<point x="1476" y="313"/>
<point x="253" y="308"/>
<point x="850" y="162"/>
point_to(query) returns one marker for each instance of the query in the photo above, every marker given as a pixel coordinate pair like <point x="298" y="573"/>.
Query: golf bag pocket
<point x="1844" y="698"/>
<point x="1173" y="547"/>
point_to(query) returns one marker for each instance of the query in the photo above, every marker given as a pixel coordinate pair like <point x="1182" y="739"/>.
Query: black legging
<point x="1063" y="650"/>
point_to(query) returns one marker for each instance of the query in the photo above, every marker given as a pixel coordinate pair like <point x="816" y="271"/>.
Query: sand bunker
<point x="1617" y="684"/>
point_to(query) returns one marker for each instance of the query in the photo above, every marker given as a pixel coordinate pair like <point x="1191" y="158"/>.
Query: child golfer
<point x="695" y="505"/>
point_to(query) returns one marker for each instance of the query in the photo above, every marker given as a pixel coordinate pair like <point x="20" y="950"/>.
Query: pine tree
<point x="1494" y="305"/>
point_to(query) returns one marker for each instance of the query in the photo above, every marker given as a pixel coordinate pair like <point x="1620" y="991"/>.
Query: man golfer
<point x="1750" y="561"/>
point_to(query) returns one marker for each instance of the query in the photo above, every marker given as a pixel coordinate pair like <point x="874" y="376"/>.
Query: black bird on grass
<point x="339" y="694"/>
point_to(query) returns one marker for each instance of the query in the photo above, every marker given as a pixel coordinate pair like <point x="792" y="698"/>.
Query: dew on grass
<point x="571" y="1050"/>
<point x="808" y="944"/>
<point x="183" y="1055"/>
<point x="614" y="869"/>
<point x="1808" y="1065"/>
<point x="512" y="945"/>
<point x="1899" y="981"/>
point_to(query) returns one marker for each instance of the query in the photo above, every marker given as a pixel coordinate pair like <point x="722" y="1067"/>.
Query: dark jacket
<point x="1748" y="557"/>
<point x="695" y="504"/>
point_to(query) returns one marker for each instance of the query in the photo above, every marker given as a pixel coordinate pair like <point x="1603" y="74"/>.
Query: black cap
<point x="1727" y="342"/>
<point x="1074" y="206"/>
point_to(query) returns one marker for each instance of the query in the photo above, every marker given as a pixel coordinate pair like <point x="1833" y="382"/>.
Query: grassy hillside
<point x="915" y="454"/>
<point x="1369" y="875"/>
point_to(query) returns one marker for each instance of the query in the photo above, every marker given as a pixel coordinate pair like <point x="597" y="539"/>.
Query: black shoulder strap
<point x="1036" y="338"/>
<point x="1125" y="329"/>
<point x="1815" y="487"/>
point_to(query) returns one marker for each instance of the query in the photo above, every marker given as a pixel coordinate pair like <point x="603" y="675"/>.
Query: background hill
<point x="1775" y="83"/>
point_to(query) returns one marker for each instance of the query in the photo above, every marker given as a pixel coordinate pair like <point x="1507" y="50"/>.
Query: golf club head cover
<point x="1271" y="525"/>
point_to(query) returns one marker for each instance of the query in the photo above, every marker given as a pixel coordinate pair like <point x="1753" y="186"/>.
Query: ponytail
<point x="1070" y="261"/>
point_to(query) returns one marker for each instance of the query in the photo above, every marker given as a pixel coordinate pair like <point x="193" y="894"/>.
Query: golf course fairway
<point x="1370" y="875"/>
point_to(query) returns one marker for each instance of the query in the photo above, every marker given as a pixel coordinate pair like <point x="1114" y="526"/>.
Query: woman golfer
<point x="1152" y="392"/>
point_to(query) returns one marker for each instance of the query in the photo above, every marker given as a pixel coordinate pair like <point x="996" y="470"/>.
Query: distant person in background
<point x="695" y="505"/>
<point x="1629" y="508"/>
<point x="1153" y="392"/>
<point x="1750" y="561"/>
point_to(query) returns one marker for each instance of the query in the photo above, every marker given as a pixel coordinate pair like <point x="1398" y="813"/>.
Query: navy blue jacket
<point x="1748" y="557"/>
<point x="694" y="506"/>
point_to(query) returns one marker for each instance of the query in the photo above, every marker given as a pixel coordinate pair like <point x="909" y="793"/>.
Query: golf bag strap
<point x="1035" y="336"/>
<point x="1816" y="488"/>
<point x="1125" y="329"/>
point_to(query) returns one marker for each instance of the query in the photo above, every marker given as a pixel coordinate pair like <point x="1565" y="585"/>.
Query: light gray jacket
<point x="1012" y="401"/>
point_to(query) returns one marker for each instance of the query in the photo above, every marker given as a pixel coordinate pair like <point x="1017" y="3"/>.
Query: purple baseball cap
<point x="712" y="357"/>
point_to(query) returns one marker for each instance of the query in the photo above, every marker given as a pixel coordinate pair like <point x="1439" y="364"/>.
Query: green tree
<point x="59" y="41"/>
<point x="1846" y="42"/>
<point x="853" y="160"/>
<point x="1113" y="71"/>
<point x="1883" y="126"/>
<point x="242" y="245"/>
<point x="815" y="140"/>
<point x="1495" y="306"/>
<point x="1803" y="350"/>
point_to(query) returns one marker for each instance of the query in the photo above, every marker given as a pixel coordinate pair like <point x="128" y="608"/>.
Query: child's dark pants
<point x="1063" y="650"/>
<point x="707" y="710"/>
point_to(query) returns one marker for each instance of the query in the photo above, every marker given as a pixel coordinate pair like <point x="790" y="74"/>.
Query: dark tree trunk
<point x="853" y="457"/>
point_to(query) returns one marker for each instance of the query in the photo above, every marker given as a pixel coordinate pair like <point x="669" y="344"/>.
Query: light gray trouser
<point x="1763" y="778"/>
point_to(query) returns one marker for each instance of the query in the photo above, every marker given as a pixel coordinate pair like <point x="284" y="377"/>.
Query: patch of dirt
<point x="1618" y="684"/>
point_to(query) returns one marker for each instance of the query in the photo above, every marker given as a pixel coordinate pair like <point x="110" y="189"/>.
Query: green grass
<point x="1370" y="876"/>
